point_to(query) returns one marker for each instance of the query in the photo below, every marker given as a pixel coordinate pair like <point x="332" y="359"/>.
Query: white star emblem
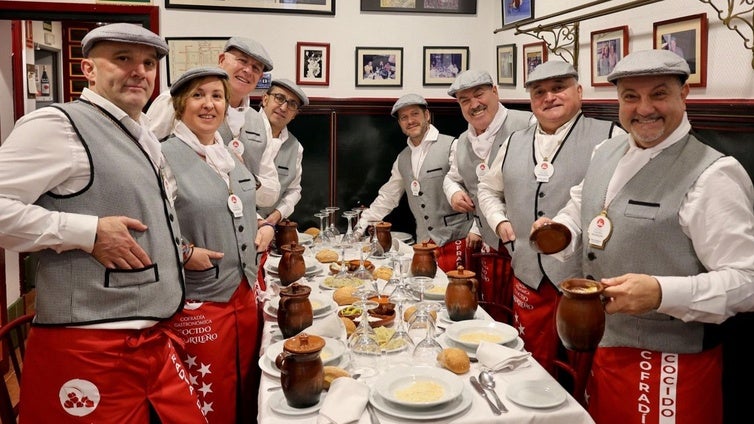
<point x="207" y="408"/>
<point x="190" y="361"/>
<point x="193" y="379"/>
<point x="204" y="369"/>
<point x="521" y="330"/>
<point x="206" y="388"/>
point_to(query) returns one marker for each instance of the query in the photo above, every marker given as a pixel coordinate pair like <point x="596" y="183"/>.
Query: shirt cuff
<point x="78" y="231"/>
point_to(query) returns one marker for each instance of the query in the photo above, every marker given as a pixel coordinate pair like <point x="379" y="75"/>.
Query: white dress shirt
<point x="288" y="199"/>
<point x="716" y="215"/>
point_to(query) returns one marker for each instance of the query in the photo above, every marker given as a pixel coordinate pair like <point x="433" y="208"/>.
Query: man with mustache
<point x="419" y="171"/>
<point x="677" y="260"/>
<point x="531" y="176"/>
<point x="490" y="124"/>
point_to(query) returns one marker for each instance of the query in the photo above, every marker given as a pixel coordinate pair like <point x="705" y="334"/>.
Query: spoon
<point x="488" y="381"/>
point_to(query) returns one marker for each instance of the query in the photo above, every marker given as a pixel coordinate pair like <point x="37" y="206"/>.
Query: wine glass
<point x="362" y="272"/>
<point x="422" y="318"/>
<point x="426" y="351"/>
<point x="401" y="336"/>
<point x="332" y="210"/>
<point x="375" y="248"/>
<point x="349" y="237"/>
<point x="328" y="228"/>
<point x="365" y="351"/>
<point x="322" y="238"/>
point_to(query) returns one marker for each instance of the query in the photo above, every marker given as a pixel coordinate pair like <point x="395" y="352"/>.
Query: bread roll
<point x="455" y="360"/>
<point x="350" y="325"/>
<point x="331" y="373"/>
<point x="412" y="309"/>
<point x="344" y="295"/>
<point x="383" y="273"/>
<point x="326" y="256"/>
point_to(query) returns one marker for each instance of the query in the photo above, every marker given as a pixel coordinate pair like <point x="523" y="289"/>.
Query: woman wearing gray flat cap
<point x="216" y="209"/>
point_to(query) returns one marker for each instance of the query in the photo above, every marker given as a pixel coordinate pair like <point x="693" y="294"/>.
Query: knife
<point x="372" y="414"/>
<point x="478" y="387"/>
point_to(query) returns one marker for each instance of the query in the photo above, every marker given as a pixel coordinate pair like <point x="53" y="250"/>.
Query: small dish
<point x="536" y="393"/>
<point x="400" y="384"/>
<point x="319" y="303"/>
<point x="278" y="404"/>
<point x="330" y="354"/>
<point x="471" y="332"/>
<point x="550" y="238"/>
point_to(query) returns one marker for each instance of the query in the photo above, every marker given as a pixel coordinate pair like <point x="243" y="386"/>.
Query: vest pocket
<point x="122" y="278"/>
<point x="198" y="278"/>
<point x="283" y="170"/>
<point x="247" y="185"/>
<point x="641" y="210"/>
<point x="455" y="218"/>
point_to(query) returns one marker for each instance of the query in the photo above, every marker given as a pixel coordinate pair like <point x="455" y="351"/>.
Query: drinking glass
<point x="422" y="318"/>
<point x="401" y="336"/>
<point x="426" y="351"/>
<point x="322" y="238"/>
<point x="375" y="248"/>
<point x="365" y="351"/>
<point x="349" y="237"/>
<point x="332" y="210"/>
<point x="328" y="227"/>
<point x="362" y="272"/>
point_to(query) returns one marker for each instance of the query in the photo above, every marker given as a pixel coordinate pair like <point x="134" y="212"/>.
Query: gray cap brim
<point x="551" y="70"/>
<point x="194" y="73"/>
<point x="290" y="86"/>
<point x="650" y="63"/>
<point x="251" y="48"/>
<point x="408" y="100"/>
<point x="469" y="79"/>
<point x="124" y="33"/>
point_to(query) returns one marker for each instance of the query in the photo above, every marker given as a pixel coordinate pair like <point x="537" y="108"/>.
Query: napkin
<point x="345" y="402"/>
<point x="498" y="357"/>
<point x="329" y="326"/>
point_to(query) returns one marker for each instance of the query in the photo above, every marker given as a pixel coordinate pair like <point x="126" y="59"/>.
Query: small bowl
<point x="550" y="238"/>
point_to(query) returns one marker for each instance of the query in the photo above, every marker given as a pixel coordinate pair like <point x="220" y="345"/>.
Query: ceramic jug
<point x="460" y="296"/>
<point x="424" y="263"/>
<point x="301" y="370"/>
<point x="580" y="316"/>
<point x="383" y="235"/>
<point x="294" y="309"/>
<point x="292" y="265"/>
<point x="286" y="232"/>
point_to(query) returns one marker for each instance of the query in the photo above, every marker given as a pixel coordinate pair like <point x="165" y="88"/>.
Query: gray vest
<point x="254" y="138"/>
<point x="75" y="289"/>
<point x="527" y="200"/>
<point x="646" y="237"/>
<point x="467" y="161"/>
<point x="206" y="220"/>
<point x="225" y="132"/>
<point x="434" y="216"/>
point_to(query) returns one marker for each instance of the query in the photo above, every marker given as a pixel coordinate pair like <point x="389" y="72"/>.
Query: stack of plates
<point x="404" y="237"/>
<point x="278" y="404"/>
<point x="321" y="306"/>
<point x="305" y="239"/>
<point x="312" y="266"/>
<point x="332" y="354"/>
<point x="536" y="393"/>
<point x="443" y="319"/>
<point x="401" y="393"/>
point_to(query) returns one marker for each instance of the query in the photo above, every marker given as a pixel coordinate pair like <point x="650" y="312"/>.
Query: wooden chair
<point x="573" y="373"/>
<point x="13" y="337"/>
<point x="490" y="290"/>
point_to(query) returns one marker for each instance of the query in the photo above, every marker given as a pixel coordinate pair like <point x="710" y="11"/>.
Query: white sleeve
<point x="162" y="115"/>
<point x="490" y="191"/>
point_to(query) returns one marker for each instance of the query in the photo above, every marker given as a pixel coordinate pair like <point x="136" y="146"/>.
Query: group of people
<point x="149" y="228"/>
<point x="384" y="70"/>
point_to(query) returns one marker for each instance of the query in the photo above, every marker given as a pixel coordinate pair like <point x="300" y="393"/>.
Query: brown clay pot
<point x="292" y="265"/>
<point x="580" y="316"/>
<point x="301" y="370"/>
<point x="286" y="232"/>
<point x="294" y="309"/>
<point x="460" y="296"/>
<point x="424" y="263"/>
<point x="383" y="235"/>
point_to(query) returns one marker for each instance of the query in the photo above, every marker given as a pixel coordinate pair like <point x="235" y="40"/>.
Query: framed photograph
<point x="379" y="66"/>
<point x="534" y="54"/>
<point x="516" y="12"/>
<point x="312" y="63"/>
<point x="187" y="52"/>
<point x="423" y="6"/>
<point x="608" y="48"/>
<point x="687" y="37"/>
<point x="443" y="64"/>
<point x="321" y="7"/>
<point x="506" y="65"/>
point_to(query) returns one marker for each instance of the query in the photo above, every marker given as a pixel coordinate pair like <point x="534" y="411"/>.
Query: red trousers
<point x="74" y="375"/>
<point x="220" y="352"/>
<point x="630" y="385"/>
<point x="535" y="319"/>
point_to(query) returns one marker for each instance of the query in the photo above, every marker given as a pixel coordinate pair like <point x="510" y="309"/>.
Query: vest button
<point x="243" y="264"/>
<point x="591" y="256"/>
<point x="421" y="193"/>
<point x="426" y="217"/>
<point x="589" y="277"/>
<point x="243" y="247"/>
<point x="423" y="205"/>
<point x="541" y="194"/>
<point x="171" y="217"/>
<point x="240" y="228"/>
<point x="540" y="213"/>
<point x="429" y="228"/>
<point x="177" y="241"/>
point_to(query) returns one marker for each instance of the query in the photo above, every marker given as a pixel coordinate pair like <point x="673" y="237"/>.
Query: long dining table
<point x="475" y="411"/>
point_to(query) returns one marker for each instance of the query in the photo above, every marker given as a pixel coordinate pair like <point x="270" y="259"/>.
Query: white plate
<point x="436" y="293"/>
<point x="304" y="238"/>
<point x="278" y="404"/>
<point x="272" y="311"/>
<point x="404" y="237"/>
<point x="536" y="393"/>
<point x="330" y="354"/>
<point x="444" y="318"/>
<point x="324" y="286"/>
<point x="454" y="407"/>
<point x="312" y="264"/>
<point x="273" y="371"/>
<point x="320" y="303"/>
<point x="401" y="378"/>
<point x="517" y="344"/>
<point x="459" y="331"/>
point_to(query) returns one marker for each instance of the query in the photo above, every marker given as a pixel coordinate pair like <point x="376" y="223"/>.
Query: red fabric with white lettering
<point x="534" y="312"/>
<point x="451" y="255"/>
<point x="496" y="276"/>
<point x="220" y="350"/>
<point x="74" y="375"/>
<point x="630" y="385"/>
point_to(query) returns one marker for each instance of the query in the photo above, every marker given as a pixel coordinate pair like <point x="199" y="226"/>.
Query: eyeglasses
<point x="281" y="100"/>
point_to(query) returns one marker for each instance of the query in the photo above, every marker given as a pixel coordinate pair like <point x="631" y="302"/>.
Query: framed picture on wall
<point x="189" y="52"/>
<point x="534" y="54"/>
<point x="443" y="64"/>
<point x="687" y="37"/>
<point x="423" y="6"/>
<point x="322" y="7"/>
<point x="379" y="66"/>
<point x="608" y="48"/>
<point x="312" y="63"/>
<point x="506" y="65"/>
<point x="516" y="12"/>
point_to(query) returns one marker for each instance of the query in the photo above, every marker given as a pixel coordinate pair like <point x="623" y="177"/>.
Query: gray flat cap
<point x="290" y="86"/>
<point x="650" y="62"/>
<point x="251" y="48"/>
<point x="550" y="70"/>
<point x="408" y="100"/>
<point x="468" y="79"/>
<point x="194" y="73"/>
<point x="124" y="33"/>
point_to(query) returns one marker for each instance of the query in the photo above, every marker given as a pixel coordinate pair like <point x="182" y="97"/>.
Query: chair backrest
<point x="498" y="312"/>
<point x="13" y="338"/>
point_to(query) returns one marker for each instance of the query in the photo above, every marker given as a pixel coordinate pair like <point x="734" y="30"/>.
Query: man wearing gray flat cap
<point x="418" y="171"/>
<point x="665" y="222"/>
<point x="490" y="124"/>
<point x="531" y="176"/>
<point x="81" y="186"/>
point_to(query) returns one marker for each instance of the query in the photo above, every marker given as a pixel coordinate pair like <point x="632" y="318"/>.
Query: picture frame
<point x="533" y="55"/>
<point x="686" y="36"/>
<point x="517" y="12"/>
<point x="319" y="7"/>
<point x="379" y="66"/>
<point x="465" y="7"/>
<point x="609" y="46"/>
<point x="506" y="65"/>
<point x="312" y="63"/>
<point x="189" y="52"/>
<point x="443" y="64"/>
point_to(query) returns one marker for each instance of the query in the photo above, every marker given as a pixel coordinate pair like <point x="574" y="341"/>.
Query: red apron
<point x="451" y="255"/>
<point x="495" y="275"/>
<point x="534" y="311"/>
